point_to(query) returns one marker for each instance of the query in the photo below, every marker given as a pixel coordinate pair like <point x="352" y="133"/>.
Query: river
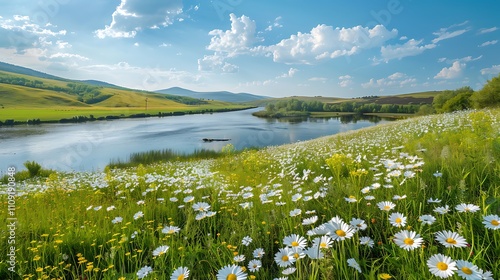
<point x="91" y="146"/>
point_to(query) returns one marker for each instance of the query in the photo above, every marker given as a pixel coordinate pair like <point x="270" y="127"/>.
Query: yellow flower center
<point x="340" y="233"/>
<point x="466" y="270"/>
<point x="171" y="231"/>
<point x="322" y="245"/>
<point x="231" y="277"/>
<point x="296" y="255"/>
<point x="387" y="207"/>
<point x="385" y="276"/>
<point x="398" y="220"/>
<point x="408" y="241"/>
<point x="495" y="222"/>
<point x="442" y="266"/>
<point x="451" y="240"/>
<point x="284" y="258"/>
<point x="295" y="244"/>
<point x="181" y="277"/>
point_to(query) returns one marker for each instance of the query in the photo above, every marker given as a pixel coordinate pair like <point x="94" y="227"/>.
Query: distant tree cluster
<point x="466" y="98"/>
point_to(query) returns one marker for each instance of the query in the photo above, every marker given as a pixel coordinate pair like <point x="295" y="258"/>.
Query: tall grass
<point x="108" y="225"/>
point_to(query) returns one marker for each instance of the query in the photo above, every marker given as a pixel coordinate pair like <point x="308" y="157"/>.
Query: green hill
<point x="24" y="97"/>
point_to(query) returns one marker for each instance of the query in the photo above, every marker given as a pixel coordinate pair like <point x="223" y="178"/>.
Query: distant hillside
<point x="27" y="71"/>
<point x="100" y="84"/>
<point x="214" y="95"/>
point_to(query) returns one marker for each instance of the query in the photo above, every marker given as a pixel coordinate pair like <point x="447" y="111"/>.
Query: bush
<point x="33" y="168"/>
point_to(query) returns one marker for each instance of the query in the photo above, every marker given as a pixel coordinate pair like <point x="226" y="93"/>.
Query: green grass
<point x="267" y="195"/>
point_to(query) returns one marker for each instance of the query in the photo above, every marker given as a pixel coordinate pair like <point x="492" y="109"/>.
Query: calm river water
<point x="91" y="146"/>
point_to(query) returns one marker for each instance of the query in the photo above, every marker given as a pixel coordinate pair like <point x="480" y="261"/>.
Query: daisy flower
<point x="386" y="205"/>
<point x="351" y="199"/>
<point x="284" y="257"/>
<point x="433" y="200"/>
<point x="323" y="242"/>
<point x="188" y="198"/>
<point x="296" y="197"/>
<point x="491" y="222"/>
<point x="201" y="206"/>
<point x="397" y="219"/>
<point x="468" y="270"/>
<point x="310" y="220"/>
<point x="441" y="265"/>
<point x="181" y="273"/>
<point x="408" y="240"/>
<point x="110" y="208"/>
<point x="295" y="241"/>
<point x="366" y="240"/>
<point x="295" y="212"/>
<point x="340" y="231"/>
<point x="144" y="271"/>
<point x="160" y="250"/>
<point x="427" y="219"/>
<point x="462" y="208"/>
<point x="138" y="215"/>
<point x="354" y="264"/>
<point x="232" y="272"/>
<point x="486" y="275"/>
<point x="442" y="210"/>
<point x="170" y="229"/>
<point x="450" y="239"/>
<point x="289" y="271"/>
<point x="201" y="216"/>
<point x="437" y="174"/>
<point x="258" y="253"/>
<point x="358" y="224"/>
<point x="239" y="258"/>
<point x="314" y="253"/>
<point x="117" y="220"/>
<point x="369" y="197"/>
<point x="246" y="240"/>
<point x="254" y="265"/>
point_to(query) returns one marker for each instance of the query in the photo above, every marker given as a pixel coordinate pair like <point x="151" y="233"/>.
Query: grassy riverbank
<point x="378" y="203"/>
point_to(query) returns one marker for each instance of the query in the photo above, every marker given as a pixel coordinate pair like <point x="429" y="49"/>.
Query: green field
<point x="21" y="102"/>
<point x="410" y="199"/>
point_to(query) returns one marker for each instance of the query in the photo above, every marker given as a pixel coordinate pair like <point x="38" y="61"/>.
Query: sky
<point x="274" y="48"/>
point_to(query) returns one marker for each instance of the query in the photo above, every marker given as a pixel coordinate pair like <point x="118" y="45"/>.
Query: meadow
<point x="414" y="199"/>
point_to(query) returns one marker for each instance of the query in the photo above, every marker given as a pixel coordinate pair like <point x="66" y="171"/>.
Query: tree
<point x="489" y="95"/>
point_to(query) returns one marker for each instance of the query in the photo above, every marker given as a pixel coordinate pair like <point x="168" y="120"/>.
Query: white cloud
<point x="488" y="43"/>
<point x="216" y="63"/>
<point x="463" y="59"/>
<point x="136" y="44"/>
<point x="403" y="38"/>
<point x="132" y="16"/>
<point x="397" y="79"/>
<point x="64" y="56"/>
<point x="345" y="81"/>
<point x="324" y="42"/>
<point x="164" y="45"/>
<point x="318" y="79"/>
<point x="444" y="33"/>
<point x="493" y="70"/>
<point x="291" y="72"/>
<point x="442" y="59"/>
<point x="410" y="48"/>
<point x="275" y="24"/>
<point x="235" y="41"/>
<point x="452" y="72"/>
<point x="488" y="30"/>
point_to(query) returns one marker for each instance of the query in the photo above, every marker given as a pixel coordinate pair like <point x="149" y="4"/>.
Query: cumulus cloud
<point x="291" y="72"/>
<point x="236" y="40"/>
<point x="21" y="33"/>
<point x="345" y="81"/>
<point x="452" y="72"/>
<point x="493" y="70"/>
<point x="398" y="51"/>
<point x="326" y="42"/>
<point x="318" y="79"/>
<point x="445" y="33"/>
<point x="397" y="79"/>
<point x="488" y="43"/>
<point x="488" y="30"/>
<point x="216" y="63"/>
<point x="131" y="16"/>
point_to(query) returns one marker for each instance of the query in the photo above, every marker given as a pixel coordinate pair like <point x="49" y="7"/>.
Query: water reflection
<point x="344" y="119"/>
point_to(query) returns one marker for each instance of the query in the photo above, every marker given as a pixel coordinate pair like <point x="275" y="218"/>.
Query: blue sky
<point x="274" y="48"/>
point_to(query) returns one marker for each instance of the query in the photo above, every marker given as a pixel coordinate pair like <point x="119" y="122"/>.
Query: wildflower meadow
<point x="413" y="199"/>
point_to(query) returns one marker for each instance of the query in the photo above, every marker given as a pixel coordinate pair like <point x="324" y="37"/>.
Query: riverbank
<point x="295" y="114"/>
<point x="79" y="115"/>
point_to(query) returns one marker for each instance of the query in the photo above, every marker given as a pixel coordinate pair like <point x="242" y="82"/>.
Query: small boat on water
<point x="215" y="139"/>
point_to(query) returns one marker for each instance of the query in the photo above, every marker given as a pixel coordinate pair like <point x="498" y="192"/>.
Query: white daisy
<point x="491" y="222"/>
<point x="354" y="264"/>
<point x="295" y="241"/>
<point x="284" y="257"/>
<point x="397" y="219"/>
<point x="427" y="219"/>
<point x="468" y="270"/>
<point x="441" y="265"/>
<point x="450" y="239"/>
<point x="386" y="205"/>
<point x="463" y="207"/>
<point x="408" y="240"/>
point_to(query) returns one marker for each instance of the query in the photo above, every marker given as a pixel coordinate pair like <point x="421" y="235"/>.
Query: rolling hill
<point x="214" y="95"/>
